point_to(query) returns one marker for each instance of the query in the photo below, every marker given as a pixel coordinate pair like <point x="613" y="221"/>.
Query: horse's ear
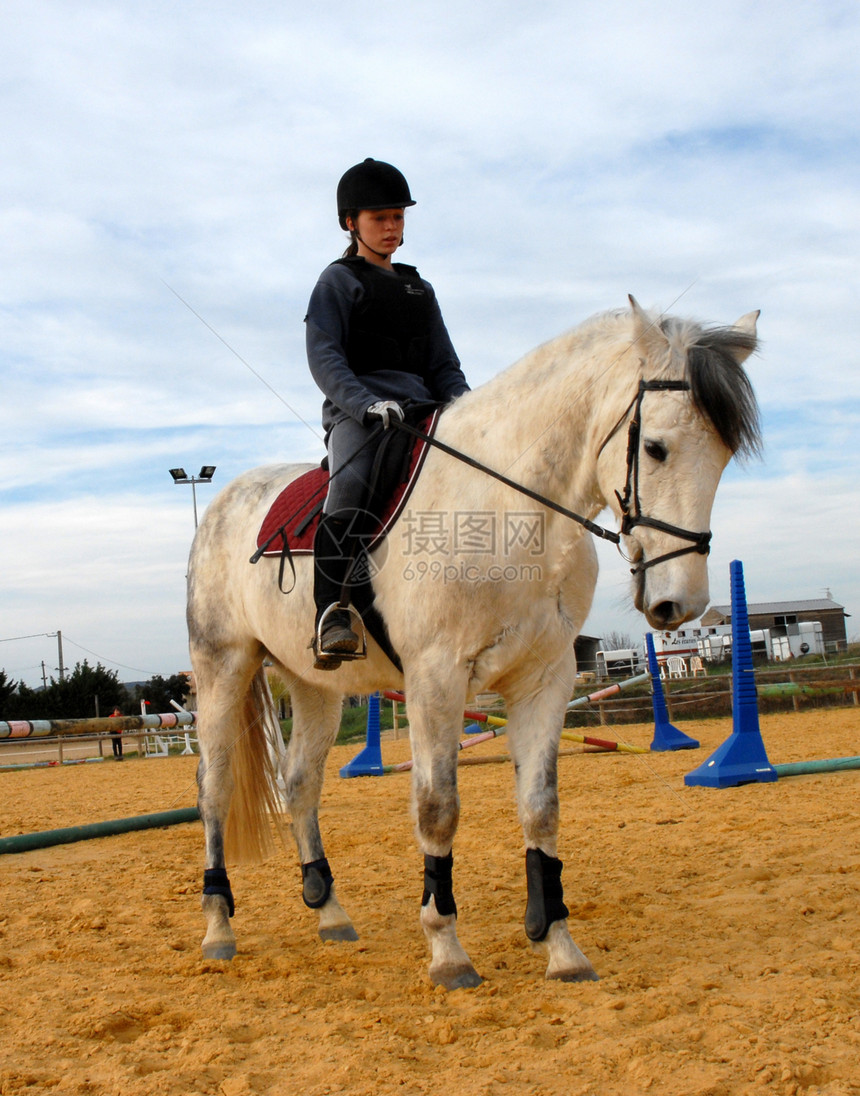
<point x="647" y="335"/>
<point x="746" y="324"/>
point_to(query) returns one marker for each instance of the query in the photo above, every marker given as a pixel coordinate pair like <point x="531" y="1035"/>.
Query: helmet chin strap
<point x="379" y="254"/>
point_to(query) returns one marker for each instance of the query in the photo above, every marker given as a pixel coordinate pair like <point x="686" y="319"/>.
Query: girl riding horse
<point x="375" y="340"/>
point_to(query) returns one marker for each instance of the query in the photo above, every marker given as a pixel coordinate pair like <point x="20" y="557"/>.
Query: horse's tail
<point x="256" y="804"/>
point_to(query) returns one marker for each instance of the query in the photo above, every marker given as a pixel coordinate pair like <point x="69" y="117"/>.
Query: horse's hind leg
<point x="316" y="719"/>
<point x="435" y="720"/>
<point x="533" y="731"/>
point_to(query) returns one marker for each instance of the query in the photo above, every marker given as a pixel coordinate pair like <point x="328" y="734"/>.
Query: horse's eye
<point x="656" y="450"/>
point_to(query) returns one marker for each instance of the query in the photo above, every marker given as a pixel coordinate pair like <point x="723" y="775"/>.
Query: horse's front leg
<point x="217" y="722"/>
<point x="215" y="783"/>
<point x="435" y="722"/>
<point x="316" y="719"/>
<point x="534" y="730"/>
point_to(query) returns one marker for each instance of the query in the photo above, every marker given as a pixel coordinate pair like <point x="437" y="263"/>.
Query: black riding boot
<point x="334" y="548"/>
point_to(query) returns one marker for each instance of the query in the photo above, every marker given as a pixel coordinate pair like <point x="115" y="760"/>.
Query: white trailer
<point x="718" y="648"/>
<point x="805" y="638"/>
<point x="624" y="662"/>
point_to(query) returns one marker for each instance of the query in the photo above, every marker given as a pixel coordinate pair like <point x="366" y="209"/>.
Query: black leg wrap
<point x="439" y="884"/>
<point x="316" y="883"/>
<point x="215" y="881"/>
<point x="546" y="897"/>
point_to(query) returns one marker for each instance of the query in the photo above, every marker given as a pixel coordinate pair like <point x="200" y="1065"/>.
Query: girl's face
<point x="380" y="232"/>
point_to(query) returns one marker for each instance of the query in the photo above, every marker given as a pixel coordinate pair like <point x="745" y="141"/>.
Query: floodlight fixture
<point x="179" y="475"/>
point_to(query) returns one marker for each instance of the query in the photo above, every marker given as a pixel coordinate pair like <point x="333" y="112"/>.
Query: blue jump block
<point x="369" y="761"/>
<point x="742" y="758"/>
<point x="666" y="736"/>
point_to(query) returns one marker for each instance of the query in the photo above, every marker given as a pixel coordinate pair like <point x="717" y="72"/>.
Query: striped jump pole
<point x="368" y="762"/>
<point x="593" y="698"/>
<point x="45" y="728"/>
<point x="496" y="724"/>
<point x="602" y="694"/>
<point x="603" y="744"/>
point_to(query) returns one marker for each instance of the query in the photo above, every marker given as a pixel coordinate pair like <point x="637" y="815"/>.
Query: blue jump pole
<point x="369" y="761"/>
<point x="666" y="737"/>
<point x="742" y="758"/>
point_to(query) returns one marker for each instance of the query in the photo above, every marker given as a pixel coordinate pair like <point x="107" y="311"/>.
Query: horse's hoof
<point x="219" y="951"/>
<point x="451" y="977"/>
<point x="573" y="976"/>
<point x="338" y="932"/>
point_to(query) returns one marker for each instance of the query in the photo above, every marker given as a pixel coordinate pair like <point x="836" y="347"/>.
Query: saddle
<point x="290" y="525"/>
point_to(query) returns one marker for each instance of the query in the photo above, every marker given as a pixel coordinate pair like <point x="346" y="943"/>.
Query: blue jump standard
<point x="369" y="761"/>
<point x="666" y="737"/>
<point x="742" y="758"/>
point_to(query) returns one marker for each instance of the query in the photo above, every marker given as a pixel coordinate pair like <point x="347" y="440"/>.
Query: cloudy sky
<point x="563" y="154"/>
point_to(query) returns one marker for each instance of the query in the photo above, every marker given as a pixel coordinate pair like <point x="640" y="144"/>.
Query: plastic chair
<point x="677" y="666"/>
<point x="697" y="667"/>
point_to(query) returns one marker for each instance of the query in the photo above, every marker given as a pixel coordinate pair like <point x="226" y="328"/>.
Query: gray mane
<point x="721" y="389"/>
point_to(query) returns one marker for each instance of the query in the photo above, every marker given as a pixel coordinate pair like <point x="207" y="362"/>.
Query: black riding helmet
<point x="372" y="184"/>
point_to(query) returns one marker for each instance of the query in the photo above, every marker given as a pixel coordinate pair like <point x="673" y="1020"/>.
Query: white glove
<point x="384" y="409"/>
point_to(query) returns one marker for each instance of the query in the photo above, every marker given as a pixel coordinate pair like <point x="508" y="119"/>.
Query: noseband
<point x="631" y="509"/>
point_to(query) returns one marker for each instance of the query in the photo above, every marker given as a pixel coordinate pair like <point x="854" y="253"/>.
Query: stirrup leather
<point x="330" y="660"/>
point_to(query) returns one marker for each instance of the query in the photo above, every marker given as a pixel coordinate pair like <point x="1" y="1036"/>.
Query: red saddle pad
<point x="294" y="515"/>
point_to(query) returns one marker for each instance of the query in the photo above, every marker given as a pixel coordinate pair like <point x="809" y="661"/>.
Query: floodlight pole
<point x="194" y="498"/>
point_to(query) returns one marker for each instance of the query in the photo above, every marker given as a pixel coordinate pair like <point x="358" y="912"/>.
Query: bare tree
<point x="618" y="641"/>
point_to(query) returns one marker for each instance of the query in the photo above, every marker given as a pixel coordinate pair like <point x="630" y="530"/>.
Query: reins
<point x="629" y="502"/>
<point x="592" y="527"/>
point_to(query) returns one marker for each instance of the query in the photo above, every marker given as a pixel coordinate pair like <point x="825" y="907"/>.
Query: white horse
<point x="481" y="589"/>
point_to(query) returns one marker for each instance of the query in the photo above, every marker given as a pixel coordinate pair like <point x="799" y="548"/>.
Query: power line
<point x="103" y="658"/>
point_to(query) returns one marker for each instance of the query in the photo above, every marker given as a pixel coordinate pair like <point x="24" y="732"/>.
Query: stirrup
<point x="330" y="660"/>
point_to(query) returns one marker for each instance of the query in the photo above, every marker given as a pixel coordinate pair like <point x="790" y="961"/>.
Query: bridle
<point x="631" y="509"/>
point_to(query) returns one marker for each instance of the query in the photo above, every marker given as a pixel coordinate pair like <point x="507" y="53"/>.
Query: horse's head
<point x="692" y="409"/>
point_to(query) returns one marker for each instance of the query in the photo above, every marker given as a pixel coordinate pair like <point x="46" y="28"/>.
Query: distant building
<point x="189" y="701"/>
<point x="586" y="648"/>
<point x="781" y="617"/>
